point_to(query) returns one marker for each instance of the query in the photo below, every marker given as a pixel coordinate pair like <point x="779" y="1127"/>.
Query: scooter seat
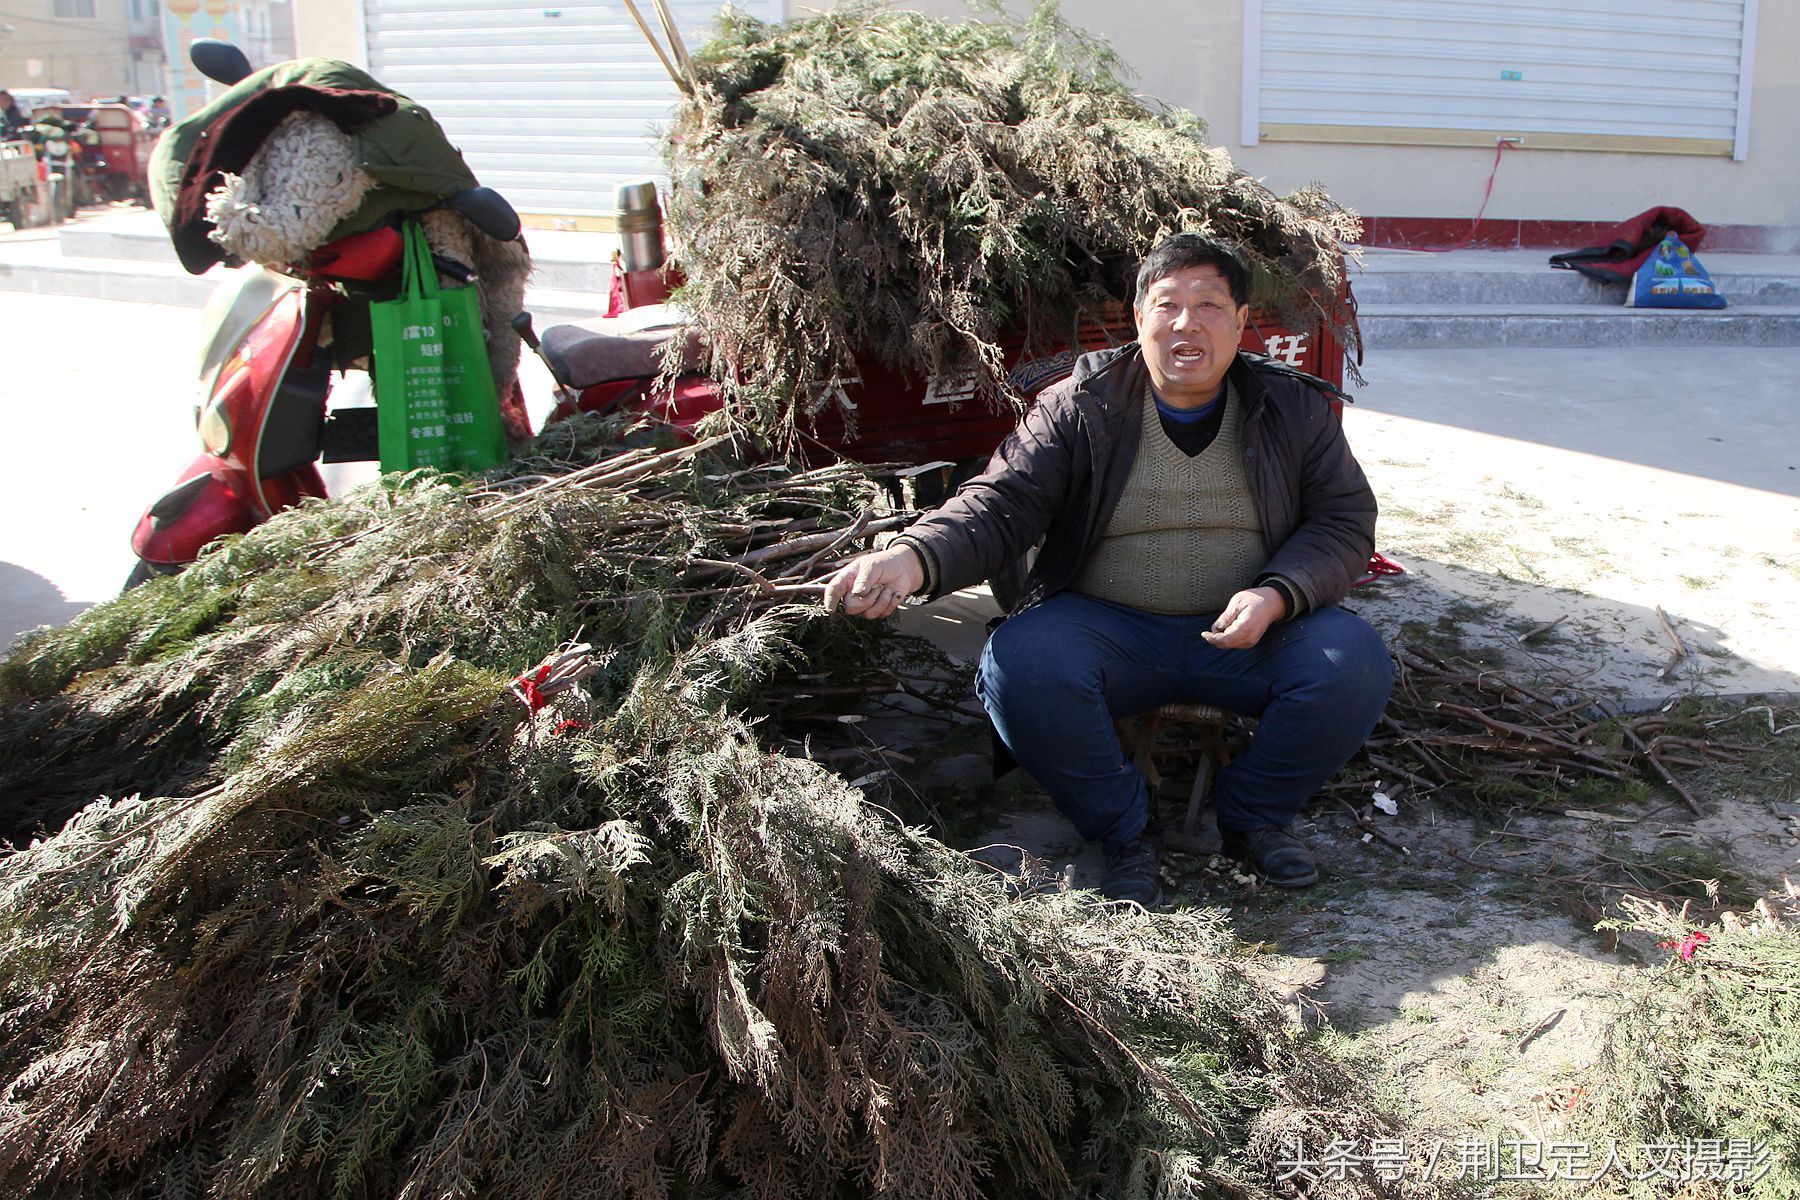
<point x="604" y="349"/>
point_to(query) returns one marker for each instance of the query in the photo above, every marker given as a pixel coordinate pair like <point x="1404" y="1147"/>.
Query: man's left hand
<point x="1247" y="616"/>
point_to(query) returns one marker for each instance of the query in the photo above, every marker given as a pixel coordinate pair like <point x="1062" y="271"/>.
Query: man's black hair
<point x="1185" y="250"/>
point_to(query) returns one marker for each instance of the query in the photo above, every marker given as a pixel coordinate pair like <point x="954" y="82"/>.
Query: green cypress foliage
<point x="346" y="920"/>
<point x="879" y="183"/>
<point x="1699" y="1077"/>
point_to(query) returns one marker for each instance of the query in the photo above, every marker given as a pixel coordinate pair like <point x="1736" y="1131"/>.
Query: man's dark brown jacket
<point x="1059" y="475"/>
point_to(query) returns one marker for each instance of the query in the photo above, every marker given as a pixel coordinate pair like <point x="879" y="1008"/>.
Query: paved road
<point x="1724" y="413"/>
<point x="96" y="411"/>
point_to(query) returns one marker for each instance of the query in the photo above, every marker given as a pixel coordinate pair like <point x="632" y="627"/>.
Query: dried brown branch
<point x="1526" y="732"/>
<point x="1680" y="652"/>
<point x="1687" y="797"/>
<point x="1540" y="630"/>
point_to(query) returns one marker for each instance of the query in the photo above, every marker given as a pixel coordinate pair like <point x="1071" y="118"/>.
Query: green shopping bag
<point x="448" y="414"/>
<point x="477" y="438"/>
<point x="412" y="405"/>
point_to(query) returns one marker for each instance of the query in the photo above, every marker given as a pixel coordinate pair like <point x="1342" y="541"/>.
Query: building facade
<point x="104" y="48"/>
<point x="85" y="47"/>
<point x="1409" y="110"/>
<point x="1421" y="114"/>
<point x="552" y="106"/>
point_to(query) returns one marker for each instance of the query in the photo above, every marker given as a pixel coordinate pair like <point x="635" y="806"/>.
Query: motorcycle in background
<point x="115" y="140"/>
<point x="60" y="145"/>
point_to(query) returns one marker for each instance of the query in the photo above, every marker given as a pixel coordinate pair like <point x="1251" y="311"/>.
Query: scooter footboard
<point x="201" y="507"/>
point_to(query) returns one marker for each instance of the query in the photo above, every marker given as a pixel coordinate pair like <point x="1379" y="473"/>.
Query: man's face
<point x="1189" y="329"/>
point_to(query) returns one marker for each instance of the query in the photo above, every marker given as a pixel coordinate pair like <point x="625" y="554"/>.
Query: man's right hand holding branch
<point x="874" y="585"/>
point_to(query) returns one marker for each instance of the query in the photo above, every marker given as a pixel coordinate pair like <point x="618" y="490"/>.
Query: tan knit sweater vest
<point x="1185" y="536"/>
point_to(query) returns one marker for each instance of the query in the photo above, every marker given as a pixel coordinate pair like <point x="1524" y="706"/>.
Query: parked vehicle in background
<point x="22" y="200"/>
<point x="32" y="99"/>
<point x="154" y="108"/>
<point x="114" y="153"/>
<point x="59" y="151"/>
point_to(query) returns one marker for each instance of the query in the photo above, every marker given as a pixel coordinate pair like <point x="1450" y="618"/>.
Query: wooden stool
<point x="1138" y="736"/>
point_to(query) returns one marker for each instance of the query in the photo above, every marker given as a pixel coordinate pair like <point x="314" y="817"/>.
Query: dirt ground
<point x="1460" y="945"/>
<point x="1468" y="962"/>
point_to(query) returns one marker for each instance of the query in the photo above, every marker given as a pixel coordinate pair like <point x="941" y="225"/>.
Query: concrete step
<point x="1550" y="287"/>
<point x="1409" y="299"/>
<point x="131" y="237"/>
<point x="41" y="268"/>
<point x="1448" y="326"/>
<point x="1515" y="277"/>
<point x="125" y="255"/>
<point x="564" y="262"/>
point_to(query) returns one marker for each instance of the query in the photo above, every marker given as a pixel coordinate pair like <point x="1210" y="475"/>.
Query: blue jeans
<point x="1054" y="678"/>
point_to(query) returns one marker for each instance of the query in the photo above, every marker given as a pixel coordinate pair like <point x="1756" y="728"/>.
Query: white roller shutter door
<point x="1652" y="75"/>
<point x="551" y="104"/>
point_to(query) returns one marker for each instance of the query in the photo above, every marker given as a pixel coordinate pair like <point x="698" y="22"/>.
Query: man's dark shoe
<point x="1133" y="872"/>
<point x="1275" y="854"/>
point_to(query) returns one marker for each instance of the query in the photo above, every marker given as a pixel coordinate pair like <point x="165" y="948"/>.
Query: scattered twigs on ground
<point x="926" y="697"/>
<point x="1663" y="772"/>
<point x="1540" y="630"/>
<point x="1547" y="877"/>
<point x="1457" y="725"/>
<point x="1539" y="1030"/>
<point x="1368" y="827"/>
<point x="1768" y="713"/>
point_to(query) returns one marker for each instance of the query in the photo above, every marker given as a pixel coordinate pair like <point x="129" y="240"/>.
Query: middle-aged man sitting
<point x="1201" y="515"/>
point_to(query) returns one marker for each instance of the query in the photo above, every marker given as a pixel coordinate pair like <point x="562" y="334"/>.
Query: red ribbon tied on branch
<point x="530" y="688"/>
<point x="1688" y="946"/>
<point x="558" y="673"/>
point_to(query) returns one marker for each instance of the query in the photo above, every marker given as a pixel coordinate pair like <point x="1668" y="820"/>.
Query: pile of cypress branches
<point x="1698" y="1081"/>
<point x="876" y="183"/>
<point x="349" y="917"/>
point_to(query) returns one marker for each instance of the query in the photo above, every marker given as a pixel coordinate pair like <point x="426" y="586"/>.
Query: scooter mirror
<point x="219" y="61"/>
<point x="488" y="211"/>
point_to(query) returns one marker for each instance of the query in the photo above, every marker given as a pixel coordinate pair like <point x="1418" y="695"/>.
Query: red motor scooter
<point x="611" y="361"/>
<point x="263" y="420"/>
<point x="266" y="375"/>
<point x="115" y="142"/>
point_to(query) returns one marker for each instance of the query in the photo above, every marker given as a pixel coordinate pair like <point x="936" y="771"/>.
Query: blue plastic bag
<point x="1672" y="277"/>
